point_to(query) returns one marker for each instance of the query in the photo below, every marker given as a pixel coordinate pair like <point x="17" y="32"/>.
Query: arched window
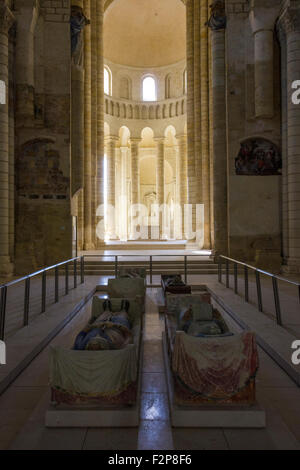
<point x="149" y="89"/>
<point x="107" y="81"/>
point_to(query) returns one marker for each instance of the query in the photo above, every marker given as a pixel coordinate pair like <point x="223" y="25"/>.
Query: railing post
<point x="258" y="288"/>
<point x="26" y="302"/>
<point x="220" y="270"/>
<point x="185" y="269"/>
<point x="75" y="273"/>
<point x="82" y="269"/>
<point x="227" y="273"/>
<point x="235" y="278"/>
<point x="66" y="278"/>
<point x="277" y="300"/>
<point x="246" y="284"/>
<point x="116" y="267"/>
<point x="3" y="312"/>
<point x="44" y="285"/>
<point x="56" y="284"/>
<point x="150" y="270"/>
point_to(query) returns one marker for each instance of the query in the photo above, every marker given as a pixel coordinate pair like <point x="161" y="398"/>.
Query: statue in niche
<point x="78" y="21"/>
<point x="258" y="157"/>
<point x="217" y="19"/>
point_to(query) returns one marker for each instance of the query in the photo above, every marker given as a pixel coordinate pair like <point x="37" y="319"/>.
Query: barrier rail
<point x="150" y="263"/>
<point x="258" y="272"/>
<point x="73" y="264"/>
<point x="27" y="290"/>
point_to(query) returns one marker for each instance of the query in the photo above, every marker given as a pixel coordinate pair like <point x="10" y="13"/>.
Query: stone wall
<point x="253" y="110"/>
<point x="43" y="212"/>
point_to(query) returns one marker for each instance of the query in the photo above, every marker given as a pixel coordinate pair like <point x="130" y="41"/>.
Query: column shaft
<point x="88" y="245"/>
<point x="205" y="182"/>
<point x="100" y="105"/>
<point x="111" y="184"/>
<point x="94" y="53"/>
<point x="6" y="21"/>
<point x="219" y="142"/>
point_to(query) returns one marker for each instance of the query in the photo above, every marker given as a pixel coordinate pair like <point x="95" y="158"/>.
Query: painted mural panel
<point x="258" y="157"/>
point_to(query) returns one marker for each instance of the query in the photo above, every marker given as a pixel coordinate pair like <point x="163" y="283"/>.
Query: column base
<point x="89" y="246"/>
<point x="292" y="266"/>
<point x="6" y="267"/>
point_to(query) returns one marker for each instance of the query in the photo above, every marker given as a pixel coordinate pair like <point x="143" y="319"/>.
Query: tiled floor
<point x="23" y="406"/>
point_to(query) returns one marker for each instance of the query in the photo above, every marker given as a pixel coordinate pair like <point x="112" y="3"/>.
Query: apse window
<point x="107" y="81"/>
<point x="149" y="89"/>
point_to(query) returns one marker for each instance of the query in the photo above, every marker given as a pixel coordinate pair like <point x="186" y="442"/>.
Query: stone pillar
<point x="183" y="183"/>
<point x="111" y="143"/>
<point x="93" y="118"/>
<point x="88" y="241"/>
<point x="6" y="21"/>
<point x="217" y="24"/>
<point x="123" y="191"/>
<point x="290" y="20"/>
<point x="285" y="230"/>
<point x="190" y="102"/>
<point x="262" y="22"/>
<point x="100" y="106"/>
<point x="205" y="161"/>
<point x="78" y="101"/>
<point x="160" y="170"/>
<point x="160" y="179"/>
<point x="11" y="108"/>
<point x="135" y="174"/>
<point x="27" y="14"/>
<point x="135" y="170"/>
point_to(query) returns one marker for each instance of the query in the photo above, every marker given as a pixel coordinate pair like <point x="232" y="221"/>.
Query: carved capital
<point x="289" y="21"/>
<point x="217" y="18"/>
<point x="7" y="19"/>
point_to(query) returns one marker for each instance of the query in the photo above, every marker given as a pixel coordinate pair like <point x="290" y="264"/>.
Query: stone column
<point x="123" y="191"/>
<point x="78" y="99"/>
<point x="285" y="230"/>
<point x="217" y="24"/>
<point x="94" y="52"/>
<point x="88" y="244"/>
<point x="135" y="174"/>
<point x="183" y="183"/>
<point x="160" y="178"/>
<point x="190" y="102"/>
<point x="262" y="23"/>
<point x="205" y="182"/>
<point x="291" y="22"/>
<point x="11" y="108"/>
<point x="111" y="143"/>
<point x="6" y="21"/>
<point x="100" y="105"/>
<point x="27" y="13"/>
<point x="135" y="170"/>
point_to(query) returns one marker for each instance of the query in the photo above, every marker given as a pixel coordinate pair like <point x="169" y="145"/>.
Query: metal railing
<point x="258" y="272"/>
<point x="43" y="295"/>
<point x="149" y="264"/>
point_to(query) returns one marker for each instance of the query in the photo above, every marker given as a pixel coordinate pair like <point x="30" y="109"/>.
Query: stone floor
<point x="23" y="406"/>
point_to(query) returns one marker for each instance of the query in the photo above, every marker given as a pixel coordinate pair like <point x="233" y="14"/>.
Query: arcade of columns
<point x="208" y="119"/>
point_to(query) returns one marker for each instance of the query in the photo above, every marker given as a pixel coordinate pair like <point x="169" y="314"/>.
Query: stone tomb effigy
<point x="210" y="370"/>
<point x="173" y="284"/>
<point x="97" y="382"/>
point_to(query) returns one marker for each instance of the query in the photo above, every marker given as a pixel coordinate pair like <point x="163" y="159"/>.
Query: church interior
<point x="149" y="225"/>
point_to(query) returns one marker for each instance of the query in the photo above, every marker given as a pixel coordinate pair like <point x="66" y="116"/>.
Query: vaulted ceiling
<point x="145" y="33"/>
